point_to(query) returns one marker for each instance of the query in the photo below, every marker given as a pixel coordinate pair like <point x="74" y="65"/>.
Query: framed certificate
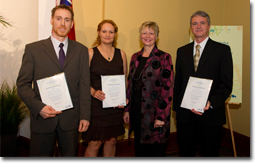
<point x="115" y="90"/>
<point x="54" y="92"/>
<point x="196" y="94"/>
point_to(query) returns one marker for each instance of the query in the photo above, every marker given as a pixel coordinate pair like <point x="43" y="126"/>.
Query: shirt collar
<point x="57" y="42"/>
<point x="202" y="44"/>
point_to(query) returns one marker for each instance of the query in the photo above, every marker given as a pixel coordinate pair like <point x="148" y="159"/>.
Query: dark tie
<point x="197" y="57"/>
<point x="61" y="55"/>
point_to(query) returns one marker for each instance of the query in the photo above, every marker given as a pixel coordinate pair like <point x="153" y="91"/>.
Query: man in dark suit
<point x="215" y="63"/>
<point x="41" y="60"/>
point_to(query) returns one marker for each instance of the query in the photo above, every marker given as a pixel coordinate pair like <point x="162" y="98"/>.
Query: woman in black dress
<point x="106" y="123"/>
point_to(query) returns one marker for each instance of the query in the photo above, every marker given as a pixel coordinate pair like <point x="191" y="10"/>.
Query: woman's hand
<point x="122" y="105"/>
<point x="98" y="94"/>
<point x="126" y="117"/>
<point x="158" y="123"/>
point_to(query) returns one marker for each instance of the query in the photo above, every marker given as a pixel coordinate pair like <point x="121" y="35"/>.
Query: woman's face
<point x="107" y="33"/>
<point x="148" y="36"/>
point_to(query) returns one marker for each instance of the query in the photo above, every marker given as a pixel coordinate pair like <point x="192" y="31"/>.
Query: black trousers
<point x="149" y="150"/>
<point x="192" y="134"/>
<point x="42" y="144"/>
<point x="143" y="150"/>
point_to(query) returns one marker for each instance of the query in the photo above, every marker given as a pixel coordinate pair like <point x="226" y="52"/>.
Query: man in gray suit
<point x="41" y="60"/>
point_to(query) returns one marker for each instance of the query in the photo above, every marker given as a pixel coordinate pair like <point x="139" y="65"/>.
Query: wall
<point x="13" y="39"/>
<point x="235" y="16"/>
<point x="23" y="15"/>
<point x="172" y="17"/>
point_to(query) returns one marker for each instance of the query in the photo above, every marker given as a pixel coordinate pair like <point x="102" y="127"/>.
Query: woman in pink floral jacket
<point x="150" y="93"/>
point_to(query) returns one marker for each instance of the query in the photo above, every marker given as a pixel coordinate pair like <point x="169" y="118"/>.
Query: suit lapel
<point x="205" y="55"/>
<point x="70" y="52"/>
<point x="190" y="60"/>
<point x="48" y="48"/>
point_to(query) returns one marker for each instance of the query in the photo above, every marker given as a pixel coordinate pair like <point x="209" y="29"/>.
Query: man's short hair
<point x="62" y="7"/>
<point x="202" y="14"/>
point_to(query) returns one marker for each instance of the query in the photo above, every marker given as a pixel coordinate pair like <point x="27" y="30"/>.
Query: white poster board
<point x="232" y="36"/>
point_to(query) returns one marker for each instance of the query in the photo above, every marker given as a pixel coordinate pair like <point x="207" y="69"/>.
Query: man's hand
<point x="83" y="125"/>
<point x="49" y="112"/>
<point x="196" y="112"/>
<point x="207" y="106"/>
<point x="205" y="109"/>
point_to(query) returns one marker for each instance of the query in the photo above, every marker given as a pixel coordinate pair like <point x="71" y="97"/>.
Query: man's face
<point x="61" y="23"/>
<point x="200" y="27"/>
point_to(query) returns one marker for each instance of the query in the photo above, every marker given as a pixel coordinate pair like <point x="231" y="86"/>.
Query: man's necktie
<point x="197" y="57"/>
<point x="61" y="55"/>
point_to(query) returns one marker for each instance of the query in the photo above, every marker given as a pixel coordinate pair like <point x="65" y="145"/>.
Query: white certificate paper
<point x="114" y="88"/>
<point x="196" y="94"/>
<point x="54" y="92"/>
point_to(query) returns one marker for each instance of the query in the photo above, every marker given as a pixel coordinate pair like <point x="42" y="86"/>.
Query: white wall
<point x="24" y="18"/>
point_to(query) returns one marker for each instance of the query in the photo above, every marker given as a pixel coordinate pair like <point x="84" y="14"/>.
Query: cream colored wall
<point x="13" y="39"/>
<point x="88" y="14"/>
<point x="233" y="16"/>
<point x="173" y="18"/>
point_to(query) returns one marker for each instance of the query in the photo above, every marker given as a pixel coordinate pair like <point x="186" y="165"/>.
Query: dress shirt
<point x="56" y="44"/>
<point x="202" y="46"/>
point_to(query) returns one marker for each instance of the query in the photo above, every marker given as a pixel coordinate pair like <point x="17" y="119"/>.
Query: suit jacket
<point x="216" y="64"/>
<point x="40" y="61"/>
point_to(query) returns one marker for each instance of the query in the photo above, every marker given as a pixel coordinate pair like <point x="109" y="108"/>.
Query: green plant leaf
<point x="4" y="23"/>
<point x="12" y="110"/>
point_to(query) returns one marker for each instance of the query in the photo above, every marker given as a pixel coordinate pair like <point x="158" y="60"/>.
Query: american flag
<point x="71" y="34"/>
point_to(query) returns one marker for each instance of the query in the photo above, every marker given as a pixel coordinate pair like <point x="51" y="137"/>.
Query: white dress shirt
<point x="202" y="46"/>
<point x="56" y="44"/>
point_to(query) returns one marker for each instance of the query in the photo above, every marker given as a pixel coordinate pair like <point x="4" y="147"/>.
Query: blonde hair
<point x="98" y="41"/>
<point x="151" y="25"/>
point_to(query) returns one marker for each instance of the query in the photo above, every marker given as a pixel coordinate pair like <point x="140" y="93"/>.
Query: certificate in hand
<point x="196" y="94"/>
<point x="114" y="88"/>
<point x="54" y="92"/>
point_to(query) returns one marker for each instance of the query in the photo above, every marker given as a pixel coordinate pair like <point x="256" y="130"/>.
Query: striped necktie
<point x="197" y="57"/>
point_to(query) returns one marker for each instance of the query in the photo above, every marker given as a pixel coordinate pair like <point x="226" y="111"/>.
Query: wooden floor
<point x="23" y="150"/>
<point x="125" y="148"/>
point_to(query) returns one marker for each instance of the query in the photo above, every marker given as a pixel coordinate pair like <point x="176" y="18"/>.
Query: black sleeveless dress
<point x="105" y="123"/>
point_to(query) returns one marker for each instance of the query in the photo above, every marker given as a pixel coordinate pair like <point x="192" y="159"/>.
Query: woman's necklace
<point x="108" y="54"/>
<point x="143" y="59"/>
<point x="139" y="75"/>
